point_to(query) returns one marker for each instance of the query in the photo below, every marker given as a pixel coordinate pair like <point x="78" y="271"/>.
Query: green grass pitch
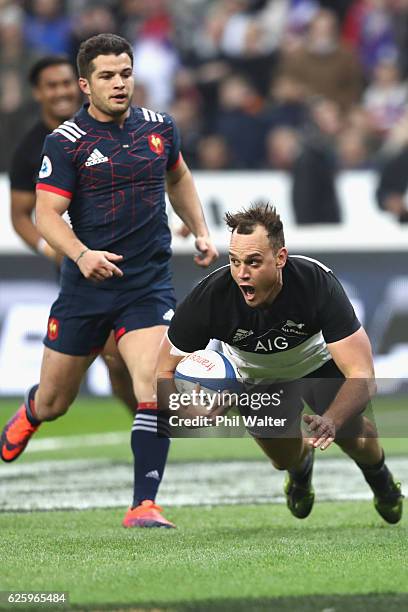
<point x="245" y="557"/>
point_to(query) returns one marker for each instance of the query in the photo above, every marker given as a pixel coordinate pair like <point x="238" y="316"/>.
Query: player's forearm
<point x="59" y="235"/>
<point x="352" y="399"/>
<point x="184" y="199"/>
<point x="26" y="229"/>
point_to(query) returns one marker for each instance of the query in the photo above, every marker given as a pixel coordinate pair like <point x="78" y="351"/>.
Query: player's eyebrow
<point x="250" y="256"/>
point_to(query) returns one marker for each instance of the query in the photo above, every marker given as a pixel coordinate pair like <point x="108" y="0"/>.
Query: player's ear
<point x="84" y="85"/>
<point x="281" y="257"/>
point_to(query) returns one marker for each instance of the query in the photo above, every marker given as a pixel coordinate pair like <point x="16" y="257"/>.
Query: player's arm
<point x="94" y="265"/>
<point x="184" y="199"/>
<point x="167" y="393"/>
<point x="354" y="359"/>
<point x="22" y="206"/>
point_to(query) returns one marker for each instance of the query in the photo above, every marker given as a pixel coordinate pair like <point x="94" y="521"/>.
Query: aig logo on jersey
<point x="156" y="143"/>
<point x="46" y="168"/>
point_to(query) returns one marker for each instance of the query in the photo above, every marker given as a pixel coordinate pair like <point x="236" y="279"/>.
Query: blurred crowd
<point x="305" y="86"/>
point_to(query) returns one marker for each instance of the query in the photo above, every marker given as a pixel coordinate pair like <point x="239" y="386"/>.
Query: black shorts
<point x="274" y="410"/>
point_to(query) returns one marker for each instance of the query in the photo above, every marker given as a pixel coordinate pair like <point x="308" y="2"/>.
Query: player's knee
<point x="51" y="406"/>
<point x="284" y="463"/>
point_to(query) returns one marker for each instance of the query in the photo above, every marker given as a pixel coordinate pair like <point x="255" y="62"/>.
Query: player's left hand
<point x="322" y="429"/>
<point x="207" y="251"/>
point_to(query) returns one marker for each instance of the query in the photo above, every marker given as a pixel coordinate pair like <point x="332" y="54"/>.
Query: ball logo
<point x="46" y="168"/>
<point x="156" y="143"/>
<point x="53" y="328"/>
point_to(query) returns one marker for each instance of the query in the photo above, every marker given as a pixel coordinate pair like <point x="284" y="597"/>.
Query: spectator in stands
<point x="323" y="65"/>
<point x="386" y="97"/>
<point x="186" y="112"/>
<point x="310" y="158"/>
<point x="393" y="185"/>
<point x="15" y="110"/>
<point x="239" y="121"/>
<point x="46" y="28"/>
<point x="285" y="105"/>
<point x="213" y="153"/>
<point x="91" y="20"/>
<point x="352" y="150"/>
<point x="282" y="148"/>
<point x="314" y="193"/>
<point x="368" y="28"/>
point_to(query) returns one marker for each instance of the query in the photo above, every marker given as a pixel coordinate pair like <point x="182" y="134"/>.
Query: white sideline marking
<point x="99" y="483"/>
<point x="66" y="442"/>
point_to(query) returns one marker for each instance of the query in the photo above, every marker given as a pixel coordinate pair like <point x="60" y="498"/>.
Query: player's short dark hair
<point x="45" y="62"/>
<point x="101" y="44"/>
<point x="259" y="213"/>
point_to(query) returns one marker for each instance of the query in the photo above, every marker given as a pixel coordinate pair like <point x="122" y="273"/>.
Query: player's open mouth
<point x="248" y="291"/>
<point x="120" y="97"/>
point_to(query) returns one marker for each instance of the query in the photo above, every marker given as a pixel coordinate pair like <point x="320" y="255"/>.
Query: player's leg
<point x="119" y="376"/>
<point x="286" y="447"/>
<point x="368" y="454"/>
<point x="295" y="456"/>
<point x="150" y="432"/>
<point x="359" y="440"/>
<point x="60" y="378"/>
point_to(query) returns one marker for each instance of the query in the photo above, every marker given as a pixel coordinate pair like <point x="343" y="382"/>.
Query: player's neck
<point x="52" y="122"/>
<point x="105" y="118"/>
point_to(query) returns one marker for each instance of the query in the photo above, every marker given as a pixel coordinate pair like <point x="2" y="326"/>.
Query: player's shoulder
<point x="37" y="132"/>
<point x="32" y="140"/>
<point x="68" y="131"/>
<point x="310" y="276"/>
<point x="150" y="116"/>
<point x="217" y="282"/>
<point x="308" y="265"/>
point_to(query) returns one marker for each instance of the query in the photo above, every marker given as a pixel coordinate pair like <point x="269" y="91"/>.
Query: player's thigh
<point x="140" y="350"/>
<point x="140" y="324"/>
<point x="60" y="378"/>
<point x="283" y="452"/>
<point x="112" y="357"/>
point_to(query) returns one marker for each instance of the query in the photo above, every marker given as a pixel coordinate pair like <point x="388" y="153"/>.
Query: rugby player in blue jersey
<point x="108" y="167"/>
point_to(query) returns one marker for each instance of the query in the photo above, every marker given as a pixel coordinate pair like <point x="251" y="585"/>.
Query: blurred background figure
<point x="323" y="64"/>
<point x="386" y="97"/>
<point x="47" y="29"/>
<point x="240" y="76"/>
<point x="239" y="121"/>
<point x="369" y="29"/>
<point x="213" y="153"/>
<point x="392" y="185"/>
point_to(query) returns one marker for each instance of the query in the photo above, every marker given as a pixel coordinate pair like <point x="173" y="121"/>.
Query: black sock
<point x="378" y="476"/>
<point x="303" y="473"/>
<point x="30" y="406"/>
<point x="150" y="445"/>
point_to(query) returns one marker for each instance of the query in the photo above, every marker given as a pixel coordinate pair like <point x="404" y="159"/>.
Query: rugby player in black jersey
<point x="286" y="322"/>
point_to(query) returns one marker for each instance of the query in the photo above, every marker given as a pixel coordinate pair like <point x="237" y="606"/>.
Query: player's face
<point x="110" y="86"/>
<point x="256" y="267"/>
<point x="57" y="92"/>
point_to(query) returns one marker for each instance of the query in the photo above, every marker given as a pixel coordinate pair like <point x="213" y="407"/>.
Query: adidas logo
<point x="96" y="157"/>
<point x="240" y="334"/>
<point x="168" y="315"/>
<point x="153" y="474"/>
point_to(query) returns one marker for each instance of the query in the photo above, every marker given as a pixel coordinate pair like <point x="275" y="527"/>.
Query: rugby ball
<point x="211" y="369"/>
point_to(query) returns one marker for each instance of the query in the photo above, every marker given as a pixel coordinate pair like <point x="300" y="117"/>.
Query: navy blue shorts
<point x="82" y="318"/>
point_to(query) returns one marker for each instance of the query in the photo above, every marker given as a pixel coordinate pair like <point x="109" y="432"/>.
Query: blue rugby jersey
<point x="115" y="179"/>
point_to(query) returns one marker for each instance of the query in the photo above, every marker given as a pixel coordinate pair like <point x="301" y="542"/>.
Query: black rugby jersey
<point x="282" y="341"/>
<point x="26" y="159"/>
<point x="115" y="179"/>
